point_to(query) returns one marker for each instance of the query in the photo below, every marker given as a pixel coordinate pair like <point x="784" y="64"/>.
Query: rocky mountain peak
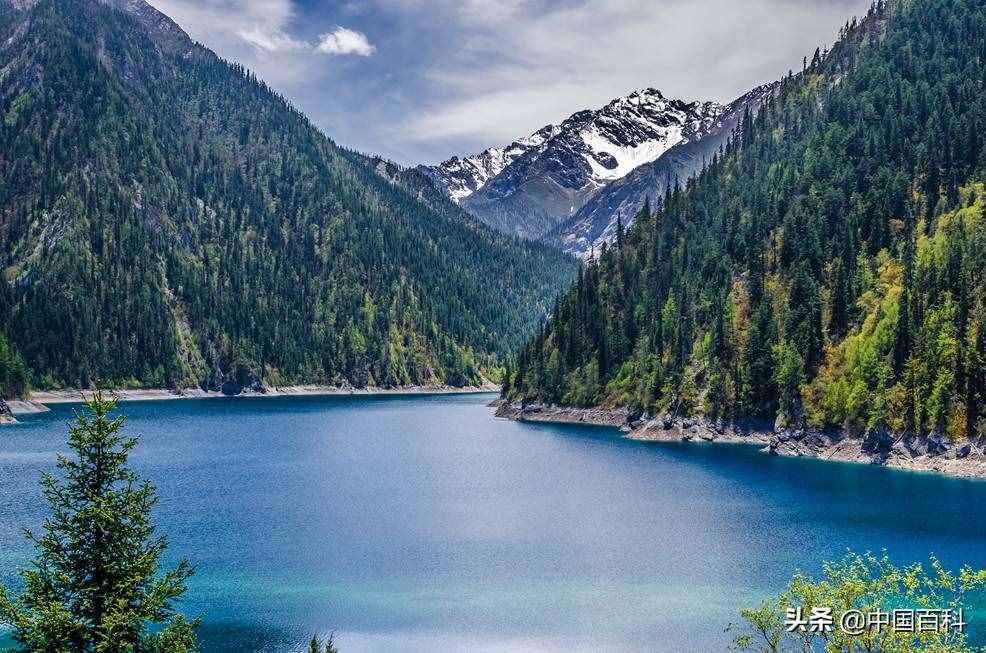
<point x="587" y="150"/>
<point x="461" y="177"/>
<point x="596" y="222"/>
<point x="534" y="183"/>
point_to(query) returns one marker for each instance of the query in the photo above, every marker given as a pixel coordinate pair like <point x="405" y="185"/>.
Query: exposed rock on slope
<point x="6" y="417"/>
<point x="595" y="222"/>
<point x="530" y="186"/>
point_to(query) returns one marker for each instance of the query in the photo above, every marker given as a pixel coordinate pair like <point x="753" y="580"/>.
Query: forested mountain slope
<point x="828" y="269"/>
<point x="167" y="220"/>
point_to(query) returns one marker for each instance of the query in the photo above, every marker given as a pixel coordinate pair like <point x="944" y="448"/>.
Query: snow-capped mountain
<point x="537" y="182"/>
<point x="595" y="222"/>
<point x="460" y="178"/>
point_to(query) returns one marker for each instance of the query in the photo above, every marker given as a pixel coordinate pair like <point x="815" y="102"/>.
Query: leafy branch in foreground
<point x="859" y="589"/>
<point x="94" y="586"/>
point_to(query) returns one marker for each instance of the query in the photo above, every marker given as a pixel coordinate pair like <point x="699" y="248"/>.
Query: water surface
<point x="423" y="524"/>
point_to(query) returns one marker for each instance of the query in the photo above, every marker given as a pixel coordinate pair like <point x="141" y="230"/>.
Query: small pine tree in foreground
<point x="94" y="585"/>
<point x="316" y="646"/>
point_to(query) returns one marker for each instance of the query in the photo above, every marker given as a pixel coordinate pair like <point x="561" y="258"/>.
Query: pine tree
<point x="13" y="372"/>
<point x="95" y="586"/>
<point x="316" y="646"/>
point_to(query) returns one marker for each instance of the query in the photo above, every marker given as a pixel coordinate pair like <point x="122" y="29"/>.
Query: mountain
<point x="460" y="178"/>
<point x="420" y="185"/>
<point x="827" y="272"/>
<point x="620" y="200"/>
<point x="168" y="220"/>
<point x="530" y="186"/>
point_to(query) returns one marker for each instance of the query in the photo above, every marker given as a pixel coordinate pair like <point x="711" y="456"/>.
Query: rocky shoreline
<point x="39" y="401"/>
<point x="930" y="454"/>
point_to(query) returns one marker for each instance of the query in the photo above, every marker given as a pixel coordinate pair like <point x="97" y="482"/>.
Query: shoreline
<point x="927" y="454"/>
<point x="38" y="402"/>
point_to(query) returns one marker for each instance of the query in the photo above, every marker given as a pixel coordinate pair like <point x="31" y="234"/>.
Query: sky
<point x="418" y="81"/>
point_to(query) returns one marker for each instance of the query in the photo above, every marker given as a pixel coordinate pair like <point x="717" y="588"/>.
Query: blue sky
<point x="420" y="80"/>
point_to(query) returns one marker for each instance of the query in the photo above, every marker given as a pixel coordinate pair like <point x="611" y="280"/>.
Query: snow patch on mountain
<point x="610" y="161"/>
<point x="595" y="222"/>
<point x="461" y="177"/>
<point x="637" y="129"/>
<point x="536" y="182"/>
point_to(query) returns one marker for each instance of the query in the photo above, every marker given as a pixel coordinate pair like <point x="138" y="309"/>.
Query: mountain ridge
<point x="168" y="220"/>
<point x="529" y="186"/>
<point x="619" y="201"/>
<point x="156" y="22"/>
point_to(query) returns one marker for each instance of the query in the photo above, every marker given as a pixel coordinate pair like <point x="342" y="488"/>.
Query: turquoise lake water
<point x="424" y="524"/>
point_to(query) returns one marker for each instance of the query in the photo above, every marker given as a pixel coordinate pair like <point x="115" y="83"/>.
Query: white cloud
<point x="271" y="41"/>
<point x="253" y="31"/>
<point x="341" y="41"/>
<point x="345" y="41"/>
<point x="516" y="69"/>
<point x="262" y="25"/>
<point x="460" y="75"/>
<point x="495" y="115"/>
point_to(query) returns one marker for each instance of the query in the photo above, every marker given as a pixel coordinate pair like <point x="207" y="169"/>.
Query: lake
<point x="424" y="524"/>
